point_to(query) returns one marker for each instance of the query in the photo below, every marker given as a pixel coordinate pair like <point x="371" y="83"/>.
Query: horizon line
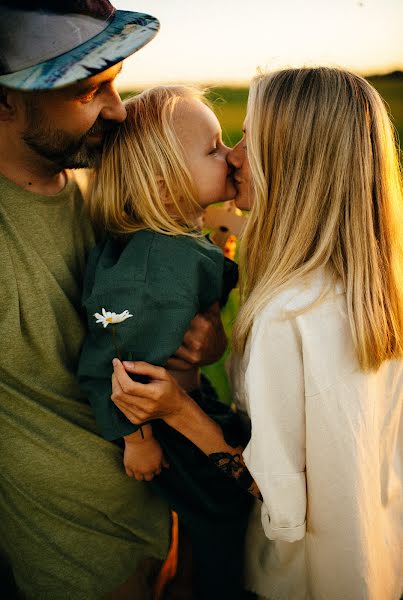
<point x="236" y="83"/>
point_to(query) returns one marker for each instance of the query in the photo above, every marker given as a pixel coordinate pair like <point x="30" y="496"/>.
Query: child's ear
<point x="164" y="192"/>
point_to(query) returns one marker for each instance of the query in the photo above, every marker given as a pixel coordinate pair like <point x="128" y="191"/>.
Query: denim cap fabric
<point x="45" y="48"/>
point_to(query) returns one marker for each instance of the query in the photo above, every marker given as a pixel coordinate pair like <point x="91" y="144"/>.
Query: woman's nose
<point x="235" y="156"/>
<point x="225" y="151"/>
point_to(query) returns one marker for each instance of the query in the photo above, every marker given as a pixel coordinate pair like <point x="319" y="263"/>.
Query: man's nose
<point x="113" y="109"/>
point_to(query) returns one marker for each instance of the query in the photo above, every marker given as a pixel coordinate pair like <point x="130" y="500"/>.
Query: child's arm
<point x="143" y="457"/>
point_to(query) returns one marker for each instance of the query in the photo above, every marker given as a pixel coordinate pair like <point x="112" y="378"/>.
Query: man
<point x="69" y="527"/>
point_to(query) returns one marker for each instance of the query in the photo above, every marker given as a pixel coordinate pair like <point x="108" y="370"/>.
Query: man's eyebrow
<point x="89" y="87"/>
<point x="84" y="89"/>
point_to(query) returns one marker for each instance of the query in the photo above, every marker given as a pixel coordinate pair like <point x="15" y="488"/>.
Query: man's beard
<point x="62" y="149"/>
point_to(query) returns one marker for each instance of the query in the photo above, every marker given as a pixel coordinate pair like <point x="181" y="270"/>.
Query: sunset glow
<point x="226" y="40"/>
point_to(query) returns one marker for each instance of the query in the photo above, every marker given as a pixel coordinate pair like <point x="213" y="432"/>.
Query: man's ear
<point x="7" y="104"/>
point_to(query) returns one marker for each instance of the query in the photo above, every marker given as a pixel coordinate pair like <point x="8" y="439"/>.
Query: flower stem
<point x="117" y="351"/>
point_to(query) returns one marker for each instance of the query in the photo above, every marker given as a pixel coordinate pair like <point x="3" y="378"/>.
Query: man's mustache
<point x="101" y="127"/>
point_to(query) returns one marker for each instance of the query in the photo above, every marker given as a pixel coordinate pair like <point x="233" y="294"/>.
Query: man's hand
<point x="204" y="342"/>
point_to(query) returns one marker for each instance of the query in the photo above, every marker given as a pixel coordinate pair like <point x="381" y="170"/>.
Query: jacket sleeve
<point x="275" y="455"/>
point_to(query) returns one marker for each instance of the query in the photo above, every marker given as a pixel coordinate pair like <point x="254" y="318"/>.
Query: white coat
<point x="325" y="451"/>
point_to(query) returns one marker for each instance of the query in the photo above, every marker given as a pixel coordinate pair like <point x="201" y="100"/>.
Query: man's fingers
<point x="177" y="364"/>
<point x="188" y="354"/>
<point x="213" y="311"/>
<point x="129" y="472"/>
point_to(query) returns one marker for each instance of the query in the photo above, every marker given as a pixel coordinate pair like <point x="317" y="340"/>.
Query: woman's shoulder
<point x="304" y="294"/>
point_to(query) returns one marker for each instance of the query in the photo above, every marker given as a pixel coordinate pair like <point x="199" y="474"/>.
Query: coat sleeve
<point x="275" y="455"/>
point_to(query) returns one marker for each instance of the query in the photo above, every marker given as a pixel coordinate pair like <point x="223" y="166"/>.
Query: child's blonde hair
<point x="143" y="164"/>
<point x="327" y="191"/>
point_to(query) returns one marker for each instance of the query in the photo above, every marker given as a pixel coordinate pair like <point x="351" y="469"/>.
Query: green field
<point x="390" y="88"/>
<point x="230" y="105"/>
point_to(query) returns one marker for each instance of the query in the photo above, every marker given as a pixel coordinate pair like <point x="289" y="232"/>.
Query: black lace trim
<point x="233" y="466"/>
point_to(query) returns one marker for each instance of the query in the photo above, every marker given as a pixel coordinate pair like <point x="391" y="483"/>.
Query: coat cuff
<point x="283" y="511"/>
<point x="286" y="534"/>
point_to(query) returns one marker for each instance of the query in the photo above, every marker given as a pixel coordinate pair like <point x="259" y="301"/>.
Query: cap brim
<point x="127" y="32"/>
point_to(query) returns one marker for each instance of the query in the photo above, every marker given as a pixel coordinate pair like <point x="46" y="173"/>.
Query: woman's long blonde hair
<point x="143" y="164"/>
<point x="327" y="191"/>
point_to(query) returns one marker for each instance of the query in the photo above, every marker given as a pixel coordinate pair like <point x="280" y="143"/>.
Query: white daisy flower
<point x="108" y="317"/>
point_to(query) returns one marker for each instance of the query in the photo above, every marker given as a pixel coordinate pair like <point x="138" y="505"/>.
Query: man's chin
<point x="90" y="159"/>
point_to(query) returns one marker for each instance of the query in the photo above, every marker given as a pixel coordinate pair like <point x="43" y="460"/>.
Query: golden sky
<point x="226" y="40"/>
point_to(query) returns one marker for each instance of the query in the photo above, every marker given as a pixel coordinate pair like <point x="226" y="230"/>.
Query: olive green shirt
<point x="72" y="524"/>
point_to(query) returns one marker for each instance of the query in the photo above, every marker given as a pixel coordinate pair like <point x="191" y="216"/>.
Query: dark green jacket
<point x="163" y="281"/>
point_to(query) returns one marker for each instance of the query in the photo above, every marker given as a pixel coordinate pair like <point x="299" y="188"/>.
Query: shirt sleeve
<point x="275" y="455"/>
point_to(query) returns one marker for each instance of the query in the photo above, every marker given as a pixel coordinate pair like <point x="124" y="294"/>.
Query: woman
<point x="320" y="337"/>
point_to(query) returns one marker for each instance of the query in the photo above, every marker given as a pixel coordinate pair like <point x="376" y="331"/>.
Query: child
<point x="143" y="286"/>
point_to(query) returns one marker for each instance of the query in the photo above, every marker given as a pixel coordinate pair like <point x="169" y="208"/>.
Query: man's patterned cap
<point x="44" y="47"/>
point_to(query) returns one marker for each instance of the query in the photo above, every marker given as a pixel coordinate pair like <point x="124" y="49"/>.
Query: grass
<point x="390" y="88"/>
<point x="229" y="103"/>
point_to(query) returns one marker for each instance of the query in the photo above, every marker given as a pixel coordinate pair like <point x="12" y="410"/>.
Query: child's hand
<point x="143" y="458"/>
